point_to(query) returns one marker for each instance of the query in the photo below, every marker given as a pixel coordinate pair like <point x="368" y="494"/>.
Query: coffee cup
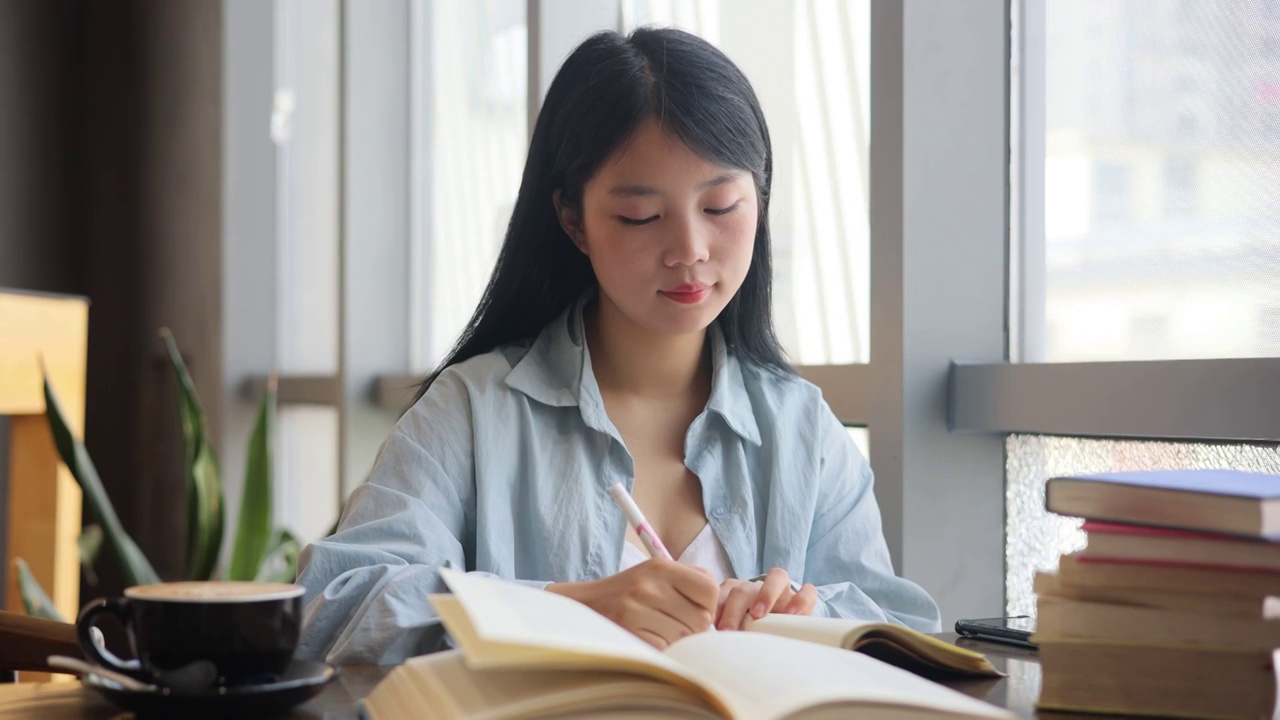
<point x="231" y="632"/>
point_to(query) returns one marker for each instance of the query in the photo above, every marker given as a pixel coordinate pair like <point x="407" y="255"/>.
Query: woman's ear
<point x="570" y="222"/>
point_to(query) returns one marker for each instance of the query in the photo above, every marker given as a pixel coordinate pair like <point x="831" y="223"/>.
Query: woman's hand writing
<point x="660" y="601"/>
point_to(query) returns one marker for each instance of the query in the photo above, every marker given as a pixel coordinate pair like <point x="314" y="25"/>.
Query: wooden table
<point x="66" y="701"/>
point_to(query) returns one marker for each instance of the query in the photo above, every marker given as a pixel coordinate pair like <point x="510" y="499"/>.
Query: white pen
<point x="644" y="530"/>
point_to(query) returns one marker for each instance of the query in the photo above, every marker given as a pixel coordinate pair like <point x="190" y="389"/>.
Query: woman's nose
<point x="687" y="244"/>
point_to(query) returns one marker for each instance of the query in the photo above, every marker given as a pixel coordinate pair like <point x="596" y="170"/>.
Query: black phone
<point x="1015" y="630"/>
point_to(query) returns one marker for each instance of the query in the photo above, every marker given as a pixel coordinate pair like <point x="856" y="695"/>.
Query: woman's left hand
<point x="740" y="599"/>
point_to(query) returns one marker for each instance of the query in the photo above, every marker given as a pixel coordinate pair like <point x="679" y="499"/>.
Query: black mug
<point x="230" y="633"/>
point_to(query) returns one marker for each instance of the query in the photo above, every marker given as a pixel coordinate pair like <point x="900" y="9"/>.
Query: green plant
<point x="259" y="552"/>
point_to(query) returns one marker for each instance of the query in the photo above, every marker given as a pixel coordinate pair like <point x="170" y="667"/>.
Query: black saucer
<point x="302" y="680"/>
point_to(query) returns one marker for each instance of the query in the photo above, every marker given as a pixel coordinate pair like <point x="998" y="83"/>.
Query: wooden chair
<point x="42" y="521"/>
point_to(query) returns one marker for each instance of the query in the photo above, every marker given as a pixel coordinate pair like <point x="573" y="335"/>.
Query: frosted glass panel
<point x="814" y="85"/>
<point x="1161" y="180"/>
<point x="1035" y="538"/>
<point x="305" y="492"/>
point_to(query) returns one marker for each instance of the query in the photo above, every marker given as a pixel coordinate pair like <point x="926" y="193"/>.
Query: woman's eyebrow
<point x="646" y="190"/>
<point x="720" y="179"/>
<point x="632" y="191"/>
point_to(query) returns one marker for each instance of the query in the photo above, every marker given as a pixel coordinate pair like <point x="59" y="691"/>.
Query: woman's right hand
<point x="660" y="601"/>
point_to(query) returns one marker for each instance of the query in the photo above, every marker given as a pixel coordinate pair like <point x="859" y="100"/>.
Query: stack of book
<point x="1172" y="609"/>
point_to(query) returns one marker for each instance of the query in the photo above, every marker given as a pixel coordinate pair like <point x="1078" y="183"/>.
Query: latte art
<point x="214" y="591"/>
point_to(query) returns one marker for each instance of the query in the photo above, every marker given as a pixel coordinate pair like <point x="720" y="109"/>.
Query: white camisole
<point x="705" y="552"/>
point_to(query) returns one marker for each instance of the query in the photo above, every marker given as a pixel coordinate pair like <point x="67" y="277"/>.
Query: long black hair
<point x="602" y="93"/>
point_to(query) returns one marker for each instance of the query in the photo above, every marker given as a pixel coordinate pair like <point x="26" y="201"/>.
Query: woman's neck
<point x="631" y="359"/>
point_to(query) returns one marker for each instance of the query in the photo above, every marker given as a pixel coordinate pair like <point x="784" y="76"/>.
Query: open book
<point x="524" y="653"/>
<point x="894" y="644"/>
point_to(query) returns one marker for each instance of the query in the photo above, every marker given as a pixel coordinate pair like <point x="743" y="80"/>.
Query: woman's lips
<point x="687" y="294"/>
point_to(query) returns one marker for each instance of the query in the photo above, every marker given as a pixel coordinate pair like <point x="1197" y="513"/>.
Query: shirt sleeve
<point x="367" y="585"/>
<point x="847" y="558"/>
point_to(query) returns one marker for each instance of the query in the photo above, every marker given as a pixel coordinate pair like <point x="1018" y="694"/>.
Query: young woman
<point x="625" y="336"/>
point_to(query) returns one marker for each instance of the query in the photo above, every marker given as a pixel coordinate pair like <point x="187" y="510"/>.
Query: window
<point x="1179" y="187"/>
<point x="1145" y="229"/>
<point x="1267" y="329"/>
<point x="305" y="127"/>
<point x="1110" y="193"/>
<point x="861" y="439"/>
<point x="470" y="135"/>
<point x="1157" y="191"/>
<point x="1148" y="335"/>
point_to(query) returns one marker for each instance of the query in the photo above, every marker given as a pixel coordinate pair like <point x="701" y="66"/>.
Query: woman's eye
<point x="637" y="221"/>
<point x="722" y="211"/>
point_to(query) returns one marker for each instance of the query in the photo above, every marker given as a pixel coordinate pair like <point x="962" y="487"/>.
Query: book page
<point x="896" y="644"/>
<point x="508" y="613"/>
<point x="506" y="625"/>
<point x="766" y="677"/>
<point x="823" y="631"/>
<point x="441" y="685"/>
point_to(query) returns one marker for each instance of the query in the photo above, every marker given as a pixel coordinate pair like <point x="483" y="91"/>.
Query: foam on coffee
<point x="214" y="591"/>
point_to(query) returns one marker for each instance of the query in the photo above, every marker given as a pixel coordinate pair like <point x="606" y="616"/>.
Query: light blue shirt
<point x="502" y="468"/>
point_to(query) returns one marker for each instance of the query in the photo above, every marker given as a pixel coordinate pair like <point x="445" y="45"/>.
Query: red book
<point x="1111" y="542"/>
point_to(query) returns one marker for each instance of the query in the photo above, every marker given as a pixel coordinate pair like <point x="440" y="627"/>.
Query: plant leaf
<point x="205" y="511"/>
<point x="205" y="514"/>
<point x="281" y="561"/>
<point x="253" y="531"/>
<point x="137" y="569"/>
<point x="34" y="598"/>
<point x="90" y="544"/>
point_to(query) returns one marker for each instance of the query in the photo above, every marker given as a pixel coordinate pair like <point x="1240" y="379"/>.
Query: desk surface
<point x="69" y="701"/>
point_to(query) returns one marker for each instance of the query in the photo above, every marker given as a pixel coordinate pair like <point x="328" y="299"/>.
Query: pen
<point x="644" y="530"/>
<point x="651" y="541"/>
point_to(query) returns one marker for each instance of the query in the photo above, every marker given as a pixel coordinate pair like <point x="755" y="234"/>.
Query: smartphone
<point x="1014" y="630"/>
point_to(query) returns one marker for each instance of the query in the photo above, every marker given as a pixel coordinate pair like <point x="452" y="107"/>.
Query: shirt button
<point x="718" y="512"/>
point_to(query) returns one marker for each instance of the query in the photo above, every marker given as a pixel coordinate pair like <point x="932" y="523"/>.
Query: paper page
<point x="446" y="682"/>
<point x="508" y="613"/>
<point x="764" y="677"/>
<point x="876" y="639"/>
<point x="823" y="631"/>
<point x="506" y="625"/>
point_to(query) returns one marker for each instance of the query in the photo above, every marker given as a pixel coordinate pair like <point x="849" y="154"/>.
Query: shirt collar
<point x="553" y="372"/>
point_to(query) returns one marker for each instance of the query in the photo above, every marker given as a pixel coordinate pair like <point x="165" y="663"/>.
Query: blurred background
<point x="320" y="188"/>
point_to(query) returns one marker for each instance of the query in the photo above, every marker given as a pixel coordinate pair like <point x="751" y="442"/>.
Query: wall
<point x="111" y="187"/>
<point x="153" y="198"/>
<point x="39" y="153"/>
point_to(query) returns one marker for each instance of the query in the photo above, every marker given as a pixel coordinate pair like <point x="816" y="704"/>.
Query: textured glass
<point x="1035" y="538"/>
<point x="814" y="85"/>
<point x="1161" y="181"/>
<point x="476" y="112"/>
